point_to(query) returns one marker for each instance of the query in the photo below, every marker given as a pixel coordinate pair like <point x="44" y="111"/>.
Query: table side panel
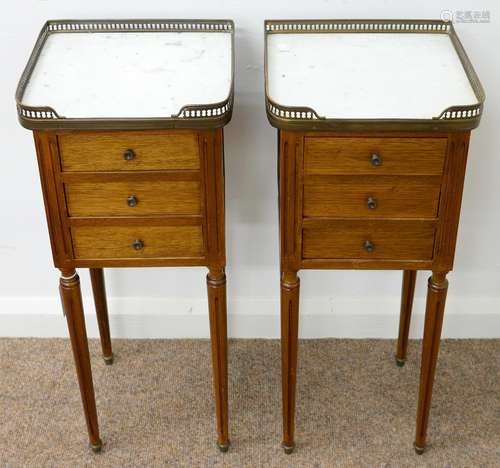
<point x="451" y="201"/>
<point x="211" y="147"/>
<point x="290" y="199"/>
<point x="57" y="232"/>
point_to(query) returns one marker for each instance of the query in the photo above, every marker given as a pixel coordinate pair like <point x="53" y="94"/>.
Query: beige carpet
<point x="355" y="407"/>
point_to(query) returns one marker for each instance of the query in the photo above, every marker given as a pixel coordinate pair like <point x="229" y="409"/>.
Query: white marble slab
<point x="367" y="75"/>
<point x="130" y="75"/>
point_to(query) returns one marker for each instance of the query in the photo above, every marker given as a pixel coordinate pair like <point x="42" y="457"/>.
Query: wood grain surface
<point x="103" y="151"/>
<point x="116" y="241"/>
<point x="156" y="197"/>
<point x="394" y="239"/>
<point x="394" y="196"/>
<point x="400" y="156"/>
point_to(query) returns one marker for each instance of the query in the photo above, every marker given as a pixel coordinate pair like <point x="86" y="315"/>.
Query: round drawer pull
<point x="132" y="201"/>
<point x="128" y="155"/>
<point x="138" y="244"/>
<point x="376" y="159"/>
<point x="371" y="203"/>
<point x="369" y="246"/>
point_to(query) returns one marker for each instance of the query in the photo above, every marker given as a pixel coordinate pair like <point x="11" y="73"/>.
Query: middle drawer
<point x="133" y="198"/>
<point x="375" y="196"/>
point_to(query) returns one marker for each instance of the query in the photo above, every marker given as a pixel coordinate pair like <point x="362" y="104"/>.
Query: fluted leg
<point x="407" y="293"/>
<point x="290" y="285"/>
<point x="101" y="308"/>
<point x="73" y="309"/>
<point x="216" y="285"/>
<point x="434" y="312"/>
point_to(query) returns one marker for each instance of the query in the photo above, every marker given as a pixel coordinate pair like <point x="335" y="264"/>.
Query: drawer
<point x="133" y="198"/>
<point x="403" y="156"/>
<point x="380" y="196"/>
<point x="128" y="151"/>
<point x="94" y="242"/>
<point x="381" y="239"/>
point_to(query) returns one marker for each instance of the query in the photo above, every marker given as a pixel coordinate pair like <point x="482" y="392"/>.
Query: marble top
<point x="130" y="74"/>
<point x="367" y="75"/>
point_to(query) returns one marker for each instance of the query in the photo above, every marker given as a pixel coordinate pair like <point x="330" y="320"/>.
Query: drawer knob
<point x="369" y="246"/>
<point x="128" y="155"/>
<point x="376" y="159"/>
<point x="371" y="203"/>
<point x="132" y="201"/>
<point x="138" y="244"/>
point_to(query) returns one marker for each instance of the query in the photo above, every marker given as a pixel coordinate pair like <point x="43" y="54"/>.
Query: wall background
<point x="171" y="302"/>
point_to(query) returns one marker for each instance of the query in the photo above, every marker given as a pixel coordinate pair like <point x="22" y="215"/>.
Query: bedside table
<point x="373" y="123"/>
<point x="127" y="117"/>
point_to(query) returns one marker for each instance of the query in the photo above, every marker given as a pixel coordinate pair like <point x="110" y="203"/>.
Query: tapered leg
<point x="407" y="293"/>
<point x="434" y="312"/>
<point x="101" y="308"/>
<point x="216" y="285"/>
<point x="73" y="309"/>
<point x="290" y="285"/>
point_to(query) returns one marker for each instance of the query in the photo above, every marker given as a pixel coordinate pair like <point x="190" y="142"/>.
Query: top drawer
<point x="128" y="151"/>
<point x="388" y="156"/>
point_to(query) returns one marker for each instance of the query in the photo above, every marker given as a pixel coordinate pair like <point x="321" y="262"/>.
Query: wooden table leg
<point x="73" y="309"/>
<point x="216" y="286"/>
<point x="290" y="286"/>
<point x="407" y="293"/>
<point x="101" y="308"/>
<point x="434" y="312"/>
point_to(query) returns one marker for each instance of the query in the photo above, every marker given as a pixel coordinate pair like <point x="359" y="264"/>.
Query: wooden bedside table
<point x="133" y="174"/>
<point x="374" y="120"/>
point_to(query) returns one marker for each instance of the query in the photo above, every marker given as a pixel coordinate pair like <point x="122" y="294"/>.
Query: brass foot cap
<point x="223" y="447"/>
<point x="108" y="359"/>
<point x="288" y="449"/>
<point x="400" y="362"/>
<point x="96" y="448"/>
<point x="419" y="450"/>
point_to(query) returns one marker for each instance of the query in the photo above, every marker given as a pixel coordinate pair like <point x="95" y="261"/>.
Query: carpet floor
<point x="355" y="406"/>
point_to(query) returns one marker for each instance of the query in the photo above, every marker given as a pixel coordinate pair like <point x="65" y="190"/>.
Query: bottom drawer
<point x="388" y="240"/>
<point x="92" y="242"/>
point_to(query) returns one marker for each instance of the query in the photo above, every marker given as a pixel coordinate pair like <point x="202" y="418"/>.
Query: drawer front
<point x="388" y="240"/>
<point x="128" y="151"/>
<point x="133" y="198"/>
<point x="125" y="242"/>
<point x="397" y="197"/>
<point x="403" y="156"/>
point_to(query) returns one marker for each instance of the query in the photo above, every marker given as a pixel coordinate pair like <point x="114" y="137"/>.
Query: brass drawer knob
<point x="376" y="159"/>
<point x="369" y="246"/>
<point x="138" y="244"/>
<point x="132" y="201"/>
<point x="128" y="155"/>
<point x="371" y="203"/>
